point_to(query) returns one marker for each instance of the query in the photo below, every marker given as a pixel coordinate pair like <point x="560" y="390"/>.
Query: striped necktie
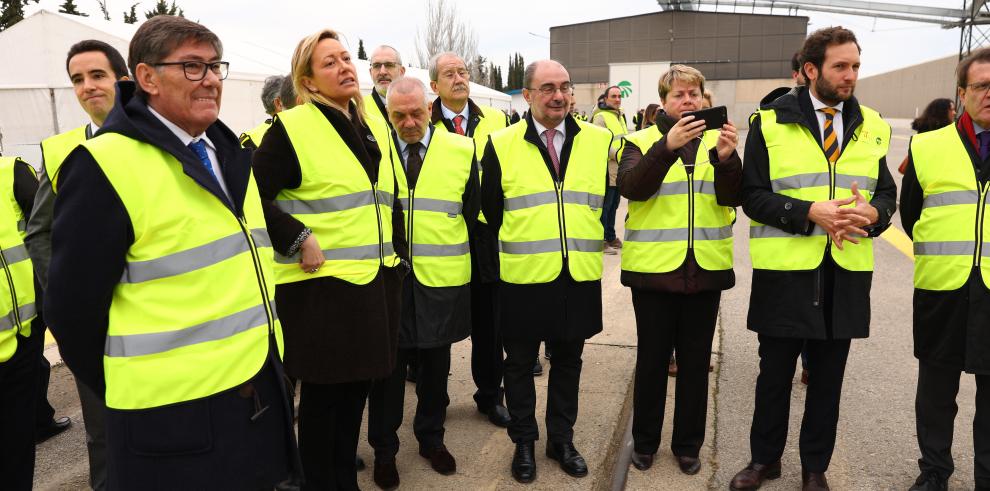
<point x="829" y="141"/>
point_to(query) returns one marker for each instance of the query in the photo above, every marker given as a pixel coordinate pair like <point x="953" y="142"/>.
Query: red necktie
<point x="552" y="149"/>
<point x="457" y="124"/>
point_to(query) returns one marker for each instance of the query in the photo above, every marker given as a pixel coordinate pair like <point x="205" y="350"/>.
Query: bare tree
<point x="445" y="31"/>
<point x="104" y="9"/>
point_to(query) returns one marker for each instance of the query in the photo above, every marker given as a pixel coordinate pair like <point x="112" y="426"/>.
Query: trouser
<point x="608" y="211"/>
<point x="18" y="385"/>
<point x="562" y="393"/>
<point x="826" y="368"/>
<point x="431" y="402"/>
<point x="329" y="428"/>
<point x="665" y="321"/>
<point x="487" y="365"/>
<point x="44" y="412"/>
<point x="94" y="415"/>
<point x="935" y="412"/>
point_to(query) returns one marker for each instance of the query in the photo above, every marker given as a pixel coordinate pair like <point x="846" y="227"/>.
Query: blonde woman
<point x="325" y="176"/>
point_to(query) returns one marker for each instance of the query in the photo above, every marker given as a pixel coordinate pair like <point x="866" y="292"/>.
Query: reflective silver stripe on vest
<point x="161" y="342"/>
<point x="386" y="198"/>
<point x="583" y="198"/>
<point x="15" y="254"/>
<point x="356" y="253"/>
<point x="713" y="233"/>
<point x="585" y="245"/>
<point x="944" y="248"/>
<point x="440" y="250"/>
<point x="327" y="205"/>
<point x="657" y="235"/>
<point x="865" y="182"/>
<point x="766" y="231"/>
<point x="530" y="246"/>
<point x="21" y="225"/>
<point x="952" y="198"/>
<point x="438" y="205"/>
<point x="530" y="200"/>
<point x="193" y="259"/>
<point x="24" y="311"/>
<point x="798" y="181"/>
<point x="681" y="187"/>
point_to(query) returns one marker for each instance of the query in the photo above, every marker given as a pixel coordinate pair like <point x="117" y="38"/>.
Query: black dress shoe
<point x="814" y="481"/>
<point x="498" y="415"/>
<point x="570" y="460"/>
<point x="440" y="459"/>
<point x="386" y="475"/>
<point x="930" y="481"/>
<point x="359" y="463"/>
<point x="524" y="463"/>
<point x="689" y="465"/>
<point x="55" y="427"/>
<point x="753" y="476"/>
<point x="642" y="461"/>
<point x="537" y="368"/>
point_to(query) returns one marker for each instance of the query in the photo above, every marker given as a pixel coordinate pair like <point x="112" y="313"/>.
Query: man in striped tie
<point x="817" y="188"/>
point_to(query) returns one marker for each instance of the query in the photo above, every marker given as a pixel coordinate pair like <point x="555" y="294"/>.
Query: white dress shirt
<point x="836" y="120"/>
<point x="186" y="139"/>
<point x="449" y="114"/>
<point x="558" y="138"/>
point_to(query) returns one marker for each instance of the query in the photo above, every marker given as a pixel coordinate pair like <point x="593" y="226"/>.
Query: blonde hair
<point x="708" y="97"/>
<point x="682" y="73"/>
<point x="302" y="66"/>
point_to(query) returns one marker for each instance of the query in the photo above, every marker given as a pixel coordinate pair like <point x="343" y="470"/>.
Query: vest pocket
<point x="178" y="429"/>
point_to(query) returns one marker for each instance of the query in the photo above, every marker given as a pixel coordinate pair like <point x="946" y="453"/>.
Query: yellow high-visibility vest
<point x="799" y="169"/>
<point x="349" y="215"/>
<point x="951" y="236"/>
<point x="194" y="309"/>
<point x="56" y="148"/>
<point x="17" y="307"/>
<point x="435" y="228"/>
<point x="545" y="220"/>
<point x="684" y="213"/>
<point x="491" y="121"/>
<point x="252" y="138"/>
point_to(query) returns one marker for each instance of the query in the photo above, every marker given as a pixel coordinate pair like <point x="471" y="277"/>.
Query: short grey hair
<point x="159" y="36"/>
<point x="398" y="57"/>
<point x="269" y="92"/>
<point x="435" y="60"/>
<point x="406" y="85"/>
<point x="287" y="93"/>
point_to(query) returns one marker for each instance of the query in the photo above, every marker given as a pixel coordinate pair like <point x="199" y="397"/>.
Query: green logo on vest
<point x="625" y="87"/>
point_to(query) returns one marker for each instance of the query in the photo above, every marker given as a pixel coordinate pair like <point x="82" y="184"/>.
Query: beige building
<point x="904" y="93"/>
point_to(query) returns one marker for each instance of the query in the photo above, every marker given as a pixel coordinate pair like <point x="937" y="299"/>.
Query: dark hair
<point x="605" y="94"/>
<point x="935" y="116"/>
<point x="650" y="116"/>
<point x="796" y="62"/>
<point x="117" y="63"/>
<point x="981" y="55"/>
<point x="819" y="41"/>
<point x="159" y="36"/>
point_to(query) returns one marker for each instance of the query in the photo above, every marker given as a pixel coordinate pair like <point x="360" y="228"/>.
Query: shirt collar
<point x="425" y="141"/>
<point x="817" y="104"/>
<point x="540" y="128"/>
<point x="184" y="137"/>
<point x="449" y="114"/>
<point x="977" y="129"/>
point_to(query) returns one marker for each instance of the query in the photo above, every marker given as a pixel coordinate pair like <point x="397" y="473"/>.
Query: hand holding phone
<point x="714" y="117"/>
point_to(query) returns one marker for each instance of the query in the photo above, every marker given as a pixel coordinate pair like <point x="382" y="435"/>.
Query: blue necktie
<point x="199" y="148"/>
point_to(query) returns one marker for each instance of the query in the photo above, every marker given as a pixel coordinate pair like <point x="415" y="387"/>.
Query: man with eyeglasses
<point x="943" y="199"/>
<point x="454" y="111"/>
<point x="608" y="114"/>
<point x="161" y="286"/>
<point x="542" y="192"/>
<point x="385" y="65"/>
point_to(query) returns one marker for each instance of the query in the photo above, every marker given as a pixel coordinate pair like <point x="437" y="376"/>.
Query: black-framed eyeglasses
<point x="979" y="87"/>
<point x="548" y="89"/>
<point x="196" y="70"/>
<point x="388" y="65"/>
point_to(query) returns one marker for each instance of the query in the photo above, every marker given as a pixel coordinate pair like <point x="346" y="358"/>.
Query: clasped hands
<point x="841" y="221"/>
<point x="687" y="129"/>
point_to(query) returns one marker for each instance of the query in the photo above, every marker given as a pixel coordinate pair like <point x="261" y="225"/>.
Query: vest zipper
<point x="561" y="222"/>
<point x="409" y="221"/>
<point x="13" y="293"/>
<point x="378" y="216"/>
<point x="690" y="176"/>
<point x="819" y="279"/>
<point x="980" y="217"/>
<point x="259" y="274"/>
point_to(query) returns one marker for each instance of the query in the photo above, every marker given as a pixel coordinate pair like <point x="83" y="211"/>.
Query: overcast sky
<point x="505" y="26"/>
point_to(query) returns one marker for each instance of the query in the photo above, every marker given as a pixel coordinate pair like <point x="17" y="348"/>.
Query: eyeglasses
<point x="980" y="87"/>
<point x="196" y="70"/>
<point x="461" y="73"/>
<point x="548" y="89"/>
<point x="388" y="65"/>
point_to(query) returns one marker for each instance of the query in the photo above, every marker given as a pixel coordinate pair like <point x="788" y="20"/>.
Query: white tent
<point x="37" y="101"/>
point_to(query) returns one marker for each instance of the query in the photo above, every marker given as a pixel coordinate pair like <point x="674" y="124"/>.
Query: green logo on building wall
<point x="626" y="88"/>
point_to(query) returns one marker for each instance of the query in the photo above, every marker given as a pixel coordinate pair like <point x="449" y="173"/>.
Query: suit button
<point x="783" y="220"/>
<point x="788" y="205"/>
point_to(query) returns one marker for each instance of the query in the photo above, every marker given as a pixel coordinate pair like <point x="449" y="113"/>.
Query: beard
<point x="828" y="94"/>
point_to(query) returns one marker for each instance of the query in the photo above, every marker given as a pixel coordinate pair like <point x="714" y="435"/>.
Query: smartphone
<point x="714" y="117"/>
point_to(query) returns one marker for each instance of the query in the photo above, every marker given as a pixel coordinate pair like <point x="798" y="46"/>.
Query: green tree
<point x="69" y="7"/>
<point x="12" y="12"/>
<point x="517" y="66"/>
<point x="494" y="77"/>
<point x="163" y="8"/>
<point x="361" y="54"/>
<point x="131" y="17"/>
